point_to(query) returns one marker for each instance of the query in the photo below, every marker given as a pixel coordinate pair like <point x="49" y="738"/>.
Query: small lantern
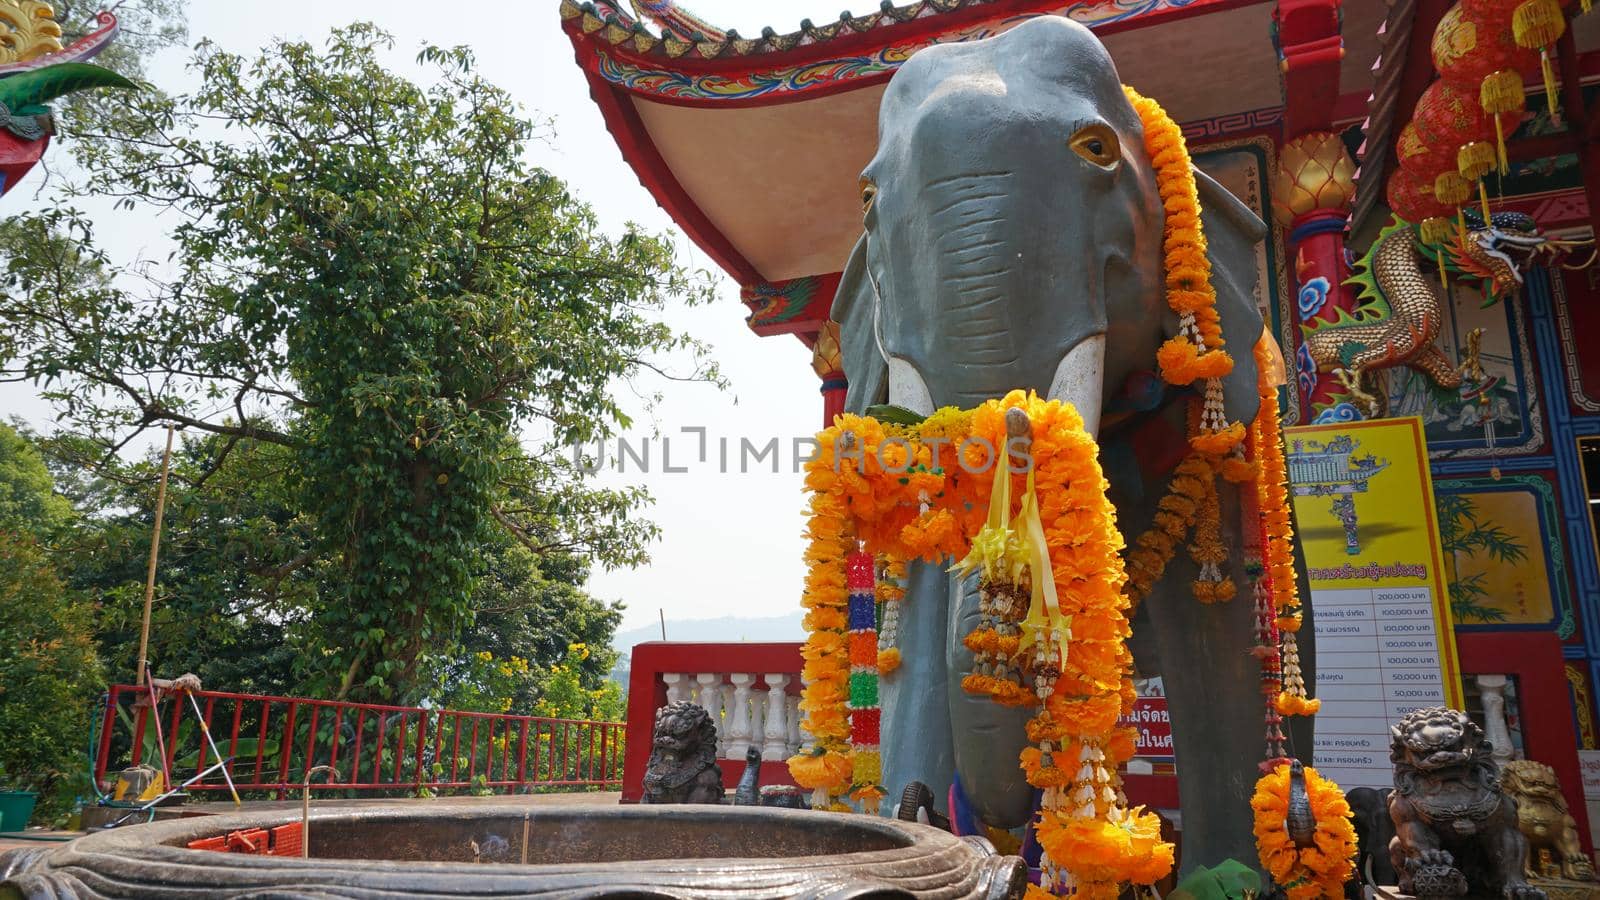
<point x="1500" y="94"/>
<point x="1475" y="160"/>
<point x="1435" y="229"/>
<point x="1538" y="24"/>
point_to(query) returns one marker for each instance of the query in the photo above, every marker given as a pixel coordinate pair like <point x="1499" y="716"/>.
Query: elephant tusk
<point x="907" y="388"/>
<point x="1078" y="380"/>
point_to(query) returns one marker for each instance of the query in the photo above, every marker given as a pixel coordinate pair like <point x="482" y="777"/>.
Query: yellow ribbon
<point x="992" y="542"/>
<point x="1044" y="612"/>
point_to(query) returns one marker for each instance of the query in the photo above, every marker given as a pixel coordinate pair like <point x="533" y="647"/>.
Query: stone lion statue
<point x="683" y="757"/>
<point x="1455" y="830"/>
<point x="1544" y="820"/>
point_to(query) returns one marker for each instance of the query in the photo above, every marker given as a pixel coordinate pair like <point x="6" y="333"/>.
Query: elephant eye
<point x="869" y="192"/>
<point x="1098" y="144"/>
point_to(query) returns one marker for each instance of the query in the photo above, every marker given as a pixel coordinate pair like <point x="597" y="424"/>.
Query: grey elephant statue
<point x="1013" y="239"/>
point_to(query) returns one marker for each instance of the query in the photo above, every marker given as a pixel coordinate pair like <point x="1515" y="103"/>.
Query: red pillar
<point x="1316" y="240"/>
<point x="1315" y="181"/>
<point x="833" y="391"/>
<point x="826" y="362"/>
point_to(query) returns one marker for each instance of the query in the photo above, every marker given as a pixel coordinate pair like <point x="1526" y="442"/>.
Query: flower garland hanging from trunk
<point x="1045" y="542"/>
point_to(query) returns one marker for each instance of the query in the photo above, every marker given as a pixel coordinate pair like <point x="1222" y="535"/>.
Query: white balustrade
<point x="776" y="726"/>
<point x="758" y="720"/>
<point x="710" y="699"/>
<point x="796" y="736"/>
<point x="740" y="728"/>
<point x="677" y="686"/>
<point x="749" y="710"/>
<point x="1492" y="691"/>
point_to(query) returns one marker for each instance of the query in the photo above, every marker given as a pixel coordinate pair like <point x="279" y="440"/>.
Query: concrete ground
<point x="41" y="837"/>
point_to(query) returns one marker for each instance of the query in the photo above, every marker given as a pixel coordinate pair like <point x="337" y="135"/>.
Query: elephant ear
<point x="1232" y="233"/>
<point x="855" y="308"/>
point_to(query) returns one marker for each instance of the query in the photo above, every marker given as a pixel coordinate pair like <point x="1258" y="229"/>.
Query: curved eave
<point x="633" y="140"/>
<point x="845" y="55"/>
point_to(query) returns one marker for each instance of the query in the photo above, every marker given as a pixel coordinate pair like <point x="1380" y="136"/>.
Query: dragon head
<point x="1500" y="250"/>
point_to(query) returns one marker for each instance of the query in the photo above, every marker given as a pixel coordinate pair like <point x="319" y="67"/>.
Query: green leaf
<point x="895" y="415"/>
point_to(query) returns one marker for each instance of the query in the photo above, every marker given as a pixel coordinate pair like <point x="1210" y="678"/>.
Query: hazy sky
<point x="732" y="541"/>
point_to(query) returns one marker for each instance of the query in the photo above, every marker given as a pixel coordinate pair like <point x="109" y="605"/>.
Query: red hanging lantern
<point x="1489" y="10"/>
<point x="1422" y="158"/>
<point x="1412" y="198"/>
<point x="1469" y="44"/>
<point x="1499" y="10"/>
<point x="1448" y="115"/>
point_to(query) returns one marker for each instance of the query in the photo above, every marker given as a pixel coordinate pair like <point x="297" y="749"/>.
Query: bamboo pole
<point x="155" y="549"/>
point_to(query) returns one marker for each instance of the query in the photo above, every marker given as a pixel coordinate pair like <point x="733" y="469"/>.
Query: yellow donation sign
<point x="1369" y="535"/>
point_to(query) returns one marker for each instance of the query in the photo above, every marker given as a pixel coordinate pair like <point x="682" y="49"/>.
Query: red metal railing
<point x="273" y="741"/>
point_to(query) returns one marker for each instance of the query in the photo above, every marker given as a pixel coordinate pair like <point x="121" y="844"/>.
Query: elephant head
<point x="1013" y="239"/>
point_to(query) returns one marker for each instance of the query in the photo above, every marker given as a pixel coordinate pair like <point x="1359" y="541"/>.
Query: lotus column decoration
<point x="1311" y="195"/>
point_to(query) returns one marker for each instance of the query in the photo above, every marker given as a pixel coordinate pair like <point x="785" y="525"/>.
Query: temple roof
<point x="754" y="145"/>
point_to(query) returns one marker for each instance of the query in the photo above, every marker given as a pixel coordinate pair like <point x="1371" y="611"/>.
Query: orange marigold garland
<point x="1062" y="623"/>
<point x="1211" y="586"/>
<point x="891" y="594"/>
<point x="825" y="767"/>
<point x="1320" y="869"/>
<point x="1176" y="513"/>
<point x="1273" y="498"/>
<point x="1196" y="353"/>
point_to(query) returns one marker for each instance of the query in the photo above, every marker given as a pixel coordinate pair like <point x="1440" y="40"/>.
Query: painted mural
<point x="1500" y="418"/>
<point x="1501" y="568"/>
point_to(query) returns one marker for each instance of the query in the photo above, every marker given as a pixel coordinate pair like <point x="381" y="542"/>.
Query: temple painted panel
<point x="1505" y="566"/>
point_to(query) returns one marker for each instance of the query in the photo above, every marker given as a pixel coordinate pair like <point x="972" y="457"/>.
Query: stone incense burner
<point x="634" y="851"/>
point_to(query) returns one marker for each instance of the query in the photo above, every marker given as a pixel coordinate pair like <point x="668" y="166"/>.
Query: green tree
<point x="49" y="670"/>
<point x="369" y="275"/>
<point x="235" y="586"/>
<point x="28" y="498"/>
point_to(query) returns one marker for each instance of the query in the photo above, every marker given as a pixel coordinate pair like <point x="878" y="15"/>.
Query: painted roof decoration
<point x="680" y="33"/>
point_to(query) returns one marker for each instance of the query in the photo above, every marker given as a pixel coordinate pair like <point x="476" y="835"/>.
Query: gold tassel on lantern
<point x="1435" y="230"/>
<point x="1501" y="94"/>
<point x="1537" y="25"/>
<point x="1474" y="161"/>
<point x="1452" y="190"/>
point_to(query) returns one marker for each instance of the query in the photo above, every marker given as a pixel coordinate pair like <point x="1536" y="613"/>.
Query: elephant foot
<point x="1522" y="891"/>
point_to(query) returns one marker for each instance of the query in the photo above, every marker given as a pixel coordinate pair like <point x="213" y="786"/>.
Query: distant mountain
<point x="725" y="629"/>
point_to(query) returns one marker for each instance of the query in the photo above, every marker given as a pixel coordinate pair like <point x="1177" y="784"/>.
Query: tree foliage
<point x="49" y="667"/>
<point x="376" y="296"/>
